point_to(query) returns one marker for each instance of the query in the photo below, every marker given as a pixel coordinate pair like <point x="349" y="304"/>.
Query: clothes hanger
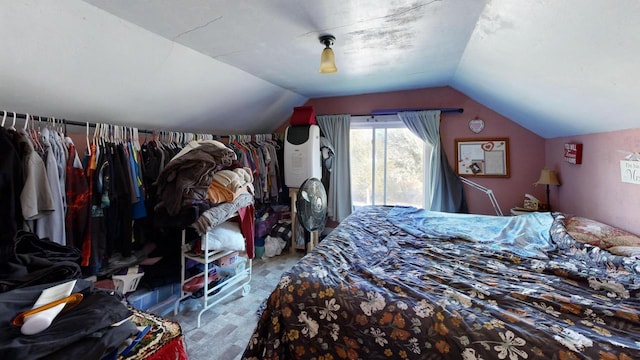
<point x="13" y="126"/>
<point x="44" y="133"/>
<point x="26" y="130"/>
<point x="70" y="302"/>
<point x="104" y="134"/>
<point x="116" y="134"/>
<point x="136" y="140"/>
<point x="96" y="146"/>
<point x="96" y="134"/>
<point x="34" y="134"/>
<point x="87" y="138"/>
<point x="52" y="124"/>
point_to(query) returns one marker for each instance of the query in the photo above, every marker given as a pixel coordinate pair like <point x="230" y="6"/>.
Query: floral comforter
<point x="391" y="283"/>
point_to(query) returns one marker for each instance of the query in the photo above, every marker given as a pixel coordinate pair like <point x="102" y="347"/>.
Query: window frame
<point x="391" y="122"/>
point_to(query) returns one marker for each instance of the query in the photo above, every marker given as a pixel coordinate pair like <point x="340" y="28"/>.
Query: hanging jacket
<point x="10" y="187"/>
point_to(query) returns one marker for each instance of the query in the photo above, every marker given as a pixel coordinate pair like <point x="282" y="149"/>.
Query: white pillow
<point x="226" y="236"/>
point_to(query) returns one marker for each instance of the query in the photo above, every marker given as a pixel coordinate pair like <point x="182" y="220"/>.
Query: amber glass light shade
<point x="327" y="62"/>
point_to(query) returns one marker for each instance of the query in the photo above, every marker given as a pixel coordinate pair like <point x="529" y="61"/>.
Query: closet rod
<point x="64" y="121"/>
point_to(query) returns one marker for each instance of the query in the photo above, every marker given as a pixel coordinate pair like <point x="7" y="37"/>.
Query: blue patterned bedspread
<point x="393" y="283"/>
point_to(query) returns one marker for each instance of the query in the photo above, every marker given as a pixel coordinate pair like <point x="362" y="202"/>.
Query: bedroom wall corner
<point x="594" y="188"/>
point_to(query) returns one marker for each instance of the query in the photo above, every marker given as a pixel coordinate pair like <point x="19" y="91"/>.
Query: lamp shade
<point x="547" y="177"/>
<point x="327" y="62"/>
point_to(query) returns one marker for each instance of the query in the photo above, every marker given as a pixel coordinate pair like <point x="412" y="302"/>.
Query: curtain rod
<point x="395" y="111"/>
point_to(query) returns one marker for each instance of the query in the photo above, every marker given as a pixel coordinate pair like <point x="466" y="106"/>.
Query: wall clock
<point x="476" y="125"/>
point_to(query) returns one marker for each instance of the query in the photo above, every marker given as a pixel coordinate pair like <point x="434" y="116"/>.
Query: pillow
<point x="595" y="233"/>
<point x="628" y="251"/>
<point x="225" y="236"/>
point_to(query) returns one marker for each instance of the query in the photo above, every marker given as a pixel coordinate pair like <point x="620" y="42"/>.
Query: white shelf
<point x="207" y="257"/>
<point x="215" y="294"/>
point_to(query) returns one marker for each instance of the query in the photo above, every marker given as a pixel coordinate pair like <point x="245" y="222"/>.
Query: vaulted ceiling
<point x="561" y="67"/>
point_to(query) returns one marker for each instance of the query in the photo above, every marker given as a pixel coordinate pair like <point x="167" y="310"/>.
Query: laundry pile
<point x="204" y="185"/>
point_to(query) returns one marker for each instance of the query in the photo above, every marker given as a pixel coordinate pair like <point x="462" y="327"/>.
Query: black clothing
<point x="38" y="261"/>
<point x="98" y="310"/>
<point x="11" y="183"/>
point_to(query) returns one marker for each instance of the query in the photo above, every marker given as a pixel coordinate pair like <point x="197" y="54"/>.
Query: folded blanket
<point x="525" y="235"/>
<point x="220" y="213"/>
<point x="186" y="178"/>
<point x="234" y="179"/>
<point x="219" y="194"/>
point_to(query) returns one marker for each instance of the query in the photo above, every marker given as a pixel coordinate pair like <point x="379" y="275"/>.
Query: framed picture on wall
<point x="488" y="157"/>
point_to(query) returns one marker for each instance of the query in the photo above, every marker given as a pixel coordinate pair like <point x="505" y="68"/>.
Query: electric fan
<point x="311" y="205"/>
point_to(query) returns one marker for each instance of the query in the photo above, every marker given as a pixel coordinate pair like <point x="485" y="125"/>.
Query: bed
<point x="404" y="283"/>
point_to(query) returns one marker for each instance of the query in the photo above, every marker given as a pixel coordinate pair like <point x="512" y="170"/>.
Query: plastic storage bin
<point x="126" y="283"/>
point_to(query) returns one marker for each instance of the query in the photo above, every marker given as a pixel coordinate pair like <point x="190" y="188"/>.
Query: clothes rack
<point x="21" y="116"/>
<point x="62" y="120"/>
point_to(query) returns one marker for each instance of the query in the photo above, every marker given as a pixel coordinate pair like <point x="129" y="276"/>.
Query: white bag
<point x="273" y="246"/>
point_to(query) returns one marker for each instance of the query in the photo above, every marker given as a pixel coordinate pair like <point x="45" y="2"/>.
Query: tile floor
<point x="226" y="328"/>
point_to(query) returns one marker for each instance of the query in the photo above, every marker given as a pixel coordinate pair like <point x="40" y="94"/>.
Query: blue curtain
<point x="336" y="130"/>
<point x="447" y="193"/>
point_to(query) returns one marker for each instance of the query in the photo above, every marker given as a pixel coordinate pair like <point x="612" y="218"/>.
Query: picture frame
<point x="485" y="157"/>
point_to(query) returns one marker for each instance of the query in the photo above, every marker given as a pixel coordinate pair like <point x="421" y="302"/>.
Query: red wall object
<point x="303" y="115"/>
<point x="573" y="153"/>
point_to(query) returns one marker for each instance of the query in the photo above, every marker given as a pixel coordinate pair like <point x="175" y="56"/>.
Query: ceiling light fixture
<point x="327" y="60"/>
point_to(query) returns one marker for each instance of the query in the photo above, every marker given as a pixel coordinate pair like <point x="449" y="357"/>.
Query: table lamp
<point x="547" y="177"/>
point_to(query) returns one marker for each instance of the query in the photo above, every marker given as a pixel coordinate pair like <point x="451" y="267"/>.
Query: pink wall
<point x="526" y="148"/>
<point x="593" y="189"/>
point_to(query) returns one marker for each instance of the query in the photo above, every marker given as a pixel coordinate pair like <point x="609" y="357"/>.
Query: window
<point x="389" y="164"/>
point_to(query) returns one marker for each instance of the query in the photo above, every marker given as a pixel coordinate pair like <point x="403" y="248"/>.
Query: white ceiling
<point x="557" y="67"/>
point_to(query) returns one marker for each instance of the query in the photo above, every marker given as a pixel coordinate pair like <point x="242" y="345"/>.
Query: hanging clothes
<point x="78" y="197"/>
<point x="90" y="160"/>
<point x="36" y="198"/>
<point x="260" y="153"/>
<point x="139" y="211"/>
<point x="52" y="226"/>
<point x="10" y="186"/>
